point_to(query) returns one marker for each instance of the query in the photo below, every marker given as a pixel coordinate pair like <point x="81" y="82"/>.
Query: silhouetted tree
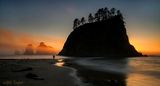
<point x="119" y="14"/>
<point x="100" y="15"/>
<point x="90" y="18"/>
<point x="112" y="11"/>
<point x="96" y="17"/>
<point x="76" y="23"/>
<point x="106" y="13"/>
<point x="83" y="20"/>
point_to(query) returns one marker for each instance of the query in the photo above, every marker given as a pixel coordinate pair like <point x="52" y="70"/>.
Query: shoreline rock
<point x="106" y="38"/>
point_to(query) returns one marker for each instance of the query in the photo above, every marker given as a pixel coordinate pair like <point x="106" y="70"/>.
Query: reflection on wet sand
<point x="144" y="72"/>
<point x="141" y="80"/>
<point x="123" y="72"/>
<point x="59" y="62"/>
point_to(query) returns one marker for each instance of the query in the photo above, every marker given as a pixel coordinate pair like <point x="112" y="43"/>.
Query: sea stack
<point x="43" y="49"/>
<point x="29" y="50"/>
<point x="103" y="37"/>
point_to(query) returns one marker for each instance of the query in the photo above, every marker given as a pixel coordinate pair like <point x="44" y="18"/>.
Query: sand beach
<point x="34" y="73"/>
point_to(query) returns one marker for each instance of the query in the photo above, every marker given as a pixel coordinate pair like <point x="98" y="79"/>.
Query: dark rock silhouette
<point x="107" y="38"/>
<point x="29" y="50"/>
<point x="33" y="76"/>
<point x="43" y="49"/>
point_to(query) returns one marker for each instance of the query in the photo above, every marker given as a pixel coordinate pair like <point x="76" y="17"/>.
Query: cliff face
<point x="103" y="39"/>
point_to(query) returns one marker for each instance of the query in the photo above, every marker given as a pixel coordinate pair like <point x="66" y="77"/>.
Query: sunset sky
<point x="50" y="21"/>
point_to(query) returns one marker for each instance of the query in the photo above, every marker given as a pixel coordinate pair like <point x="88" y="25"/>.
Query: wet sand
<point x="92" y="77"/>
<point x="34" y="73"/>
<point x="131" y="72"/>
<point x="99" y="78"/>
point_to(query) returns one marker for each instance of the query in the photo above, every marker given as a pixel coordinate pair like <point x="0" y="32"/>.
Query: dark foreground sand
<point x="34" y="73"/>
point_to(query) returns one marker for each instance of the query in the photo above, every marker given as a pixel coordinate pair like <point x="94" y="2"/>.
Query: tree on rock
<point x="76" y="23"/>
<point x="106" y="13"/>
<point x="90" y="18"/>
<point x="119" y="14"/>
<point x="102" y="14"/>
<point x="83" y="20"/>
<point x="112" y="11"/>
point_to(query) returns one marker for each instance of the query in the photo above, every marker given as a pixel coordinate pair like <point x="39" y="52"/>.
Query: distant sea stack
<point x="29" y="50"/>
<point x="43" y="49"/>
<point x="103" y="36"/>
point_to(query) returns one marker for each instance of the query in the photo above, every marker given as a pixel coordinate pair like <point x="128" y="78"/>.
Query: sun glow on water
<point x="59" y="62"/>
<point x="144" y="72"/>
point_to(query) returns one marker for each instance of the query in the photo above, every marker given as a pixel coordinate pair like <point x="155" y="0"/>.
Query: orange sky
<point x="144" y="37"/>
<point x="11" y="41"/>
<point x="146" y="45"/>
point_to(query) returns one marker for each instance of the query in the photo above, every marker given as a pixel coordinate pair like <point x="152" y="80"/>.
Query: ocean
<point x="138" y="71"/>
<point x="27" y="57"/>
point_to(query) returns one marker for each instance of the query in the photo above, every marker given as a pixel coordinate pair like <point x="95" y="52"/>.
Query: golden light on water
<point x="141" y="80"/>
<point x="142" y="72"/>
<point x="60" y="62"/>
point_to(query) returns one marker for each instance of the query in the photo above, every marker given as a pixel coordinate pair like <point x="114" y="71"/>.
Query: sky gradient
<point x="33" y="21"/>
